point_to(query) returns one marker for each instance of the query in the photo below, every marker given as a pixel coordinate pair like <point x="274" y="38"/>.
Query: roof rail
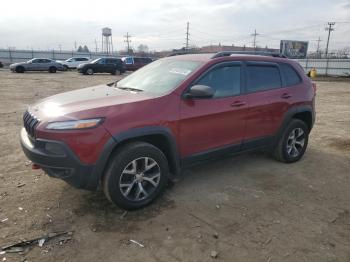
<point x="262" y="53"/>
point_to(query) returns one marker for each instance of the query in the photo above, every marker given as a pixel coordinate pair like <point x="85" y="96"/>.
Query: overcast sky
<point x="161" y="24"/>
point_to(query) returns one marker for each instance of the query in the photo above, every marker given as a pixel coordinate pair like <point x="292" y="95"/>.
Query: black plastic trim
<point x="66" y="166"/>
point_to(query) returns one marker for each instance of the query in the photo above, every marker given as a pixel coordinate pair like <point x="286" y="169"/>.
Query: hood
<point x="16" y="64"/>
<point x="83" y="64"/>
<point x="96" y="98"/>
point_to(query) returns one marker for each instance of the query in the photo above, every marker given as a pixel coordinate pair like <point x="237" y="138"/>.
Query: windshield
<point x="94" y="61"/>
<point x="159" y="77"/>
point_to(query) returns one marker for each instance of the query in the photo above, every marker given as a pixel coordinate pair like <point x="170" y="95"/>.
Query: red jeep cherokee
<point x="134" y="135"/>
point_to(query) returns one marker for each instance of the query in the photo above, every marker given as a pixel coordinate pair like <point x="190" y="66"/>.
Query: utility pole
<point x="127" y="40"/>
<point x="329" y="29"/>
<point x="60" y="47"/>
<point x="75" y="45"/>
<point x="254" y="41"/>
<point x="318" y="46"/>
<point x="96" y="49"/>
<point x="187" y="35"/>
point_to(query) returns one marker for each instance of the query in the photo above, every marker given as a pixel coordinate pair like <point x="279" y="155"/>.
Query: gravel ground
<point x="245" y="208"/>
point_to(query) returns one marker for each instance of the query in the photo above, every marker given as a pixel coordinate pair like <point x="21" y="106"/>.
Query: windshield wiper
<point x="129" y="88"/>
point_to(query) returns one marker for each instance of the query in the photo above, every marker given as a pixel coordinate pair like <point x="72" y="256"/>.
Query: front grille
<point x="30" y="122"/>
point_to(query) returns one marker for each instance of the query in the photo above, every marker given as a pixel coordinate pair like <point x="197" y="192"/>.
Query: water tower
<point x="107" y="43"/>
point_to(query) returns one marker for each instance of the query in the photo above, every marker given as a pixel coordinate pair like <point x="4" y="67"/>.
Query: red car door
<point x="263" y="81"/>
<point x="215" y="122"/>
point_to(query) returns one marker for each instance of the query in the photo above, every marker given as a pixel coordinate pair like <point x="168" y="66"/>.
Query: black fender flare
<point x="134" y="133"/>
<point x="290" y="114"/>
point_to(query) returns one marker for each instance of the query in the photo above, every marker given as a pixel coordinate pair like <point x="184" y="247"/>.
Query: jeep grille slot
<point x="30" y="122"/>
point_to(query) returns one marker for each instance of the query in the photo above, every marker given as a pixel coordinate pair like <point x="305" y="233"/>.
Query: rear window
<point x="128" y="61"/>
<point x="262" y="77"/>
<point x="290" y="75"/>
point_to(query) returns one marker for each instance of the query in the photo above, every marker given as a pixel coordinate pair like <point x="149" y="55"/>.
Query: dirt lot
<point x="247" y="208"/>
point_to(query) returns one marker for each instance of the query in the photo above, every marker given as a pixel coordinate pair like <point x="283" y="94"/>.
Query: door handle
<point x="286" y="95"/>
<point x="238" y="103"/>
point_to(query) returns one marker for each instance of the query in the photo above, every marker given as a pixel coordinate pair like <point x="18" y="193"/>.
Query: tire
<point x="65" y="68"/>
<point x="52" y="69"/>
<point x="127" y="170"/>
<point x="289" y="148"/>
<point x="20" y="69"/>
<point x="89" y="71"/>
<point x="116" y="72"/>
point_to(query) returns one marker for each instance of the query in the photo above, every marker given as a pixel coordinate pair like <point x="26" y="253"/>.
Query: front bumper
<point x="58" y="161"/>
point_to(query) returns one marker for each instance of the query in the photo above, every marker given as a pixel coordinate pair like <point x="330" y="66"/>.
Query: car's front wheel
<point x="136" y="175"/>
<point x="20" y="69"/>
<point x="89" y="71"/>
<point x="293" y="142"/>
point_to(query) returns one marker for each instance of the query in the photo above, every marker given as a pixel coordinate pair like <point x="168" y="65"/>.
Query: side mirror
<point x="199" y="91"/>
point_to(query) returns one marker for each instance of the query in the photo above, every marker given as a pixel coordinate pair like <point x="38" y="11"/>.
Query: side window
<point x="290" y="75"/>
<point x="81" y="59"/>
<point x="225" y="80"/>
<point x="262" y="77"/>
<point x="146" y="60"/>
<point x="137" y="60"/>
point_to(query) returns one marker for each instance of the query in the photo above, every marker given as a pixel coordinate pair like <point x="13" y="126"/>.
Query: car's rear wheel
<point x="20" y="69"/>
<point x="116" y="72"/>
<point x="136" y="175"/>
<point x="89" y="71"/>
<point x="52" y="69"/>
<point x="293" y="142"/>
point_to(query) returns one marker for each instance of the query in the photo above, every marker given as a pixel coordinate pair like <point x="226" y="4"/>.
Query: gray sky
<point x="161" y="24"/>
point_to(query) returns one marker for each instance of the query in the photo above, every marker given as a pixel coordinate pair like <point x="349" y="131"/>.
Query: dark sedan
<point x="103" y="65"/>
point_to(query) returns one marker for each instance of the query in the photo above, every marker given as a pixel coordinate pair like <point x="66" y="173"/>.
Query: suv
<point x="134" y="135"/>
<point x="73" y="62"/>
<point x="103" y="65"/>
<point x="134" y="63"/>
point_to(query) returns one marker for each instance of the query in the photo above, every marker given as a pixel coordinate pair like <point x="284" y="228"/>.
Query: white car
<point x="73" y="62"/>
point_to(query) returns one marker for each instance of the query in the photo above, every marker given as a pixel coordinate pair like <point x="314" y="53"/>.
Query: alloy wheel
<point x="295" y="142"/>
<point x="139" y="179"/>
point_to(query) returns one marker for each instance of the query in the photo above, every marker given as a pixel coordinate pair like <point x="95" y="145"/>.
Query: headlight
<point x="75" y="124"/>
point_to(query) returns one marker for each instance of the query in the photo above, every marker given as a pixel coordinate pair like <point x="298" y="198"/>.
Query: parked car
<point x="73" y="62"/>
<point x="134" y="135"/>
<point x="1" y="65"/>
<point x="37" y="64"/>
<point x="103" y="65"/>
<point x="134" y="63"/>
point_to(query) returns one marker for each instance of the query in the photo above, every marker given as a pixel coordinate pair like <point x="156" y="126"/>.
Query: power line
<point x="127" y="40"/>
<point x="329" y="29"/>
